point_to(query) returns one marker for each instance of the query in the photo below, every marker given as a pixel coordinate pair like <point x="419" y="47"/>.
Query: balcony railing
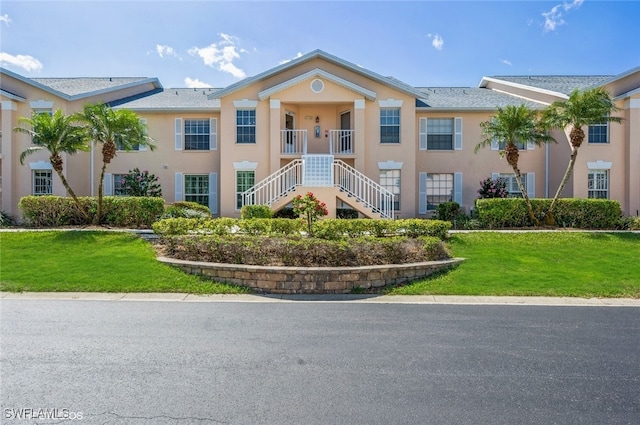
<point x="295" y="143"/>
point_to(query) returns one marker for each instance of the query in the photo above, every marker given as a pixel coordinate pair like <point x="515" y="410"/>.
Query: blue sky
<point x="216" y="43"/>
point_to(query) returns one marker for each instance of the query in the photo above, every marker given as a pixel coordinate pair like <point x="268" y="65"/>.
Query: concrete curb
<point x="334" y="298"/>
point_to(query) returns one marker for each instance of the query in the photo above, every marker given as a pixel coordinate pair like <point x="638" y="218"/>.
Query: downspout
<point x="546" y="170"/>
<point x="91" y="178"/>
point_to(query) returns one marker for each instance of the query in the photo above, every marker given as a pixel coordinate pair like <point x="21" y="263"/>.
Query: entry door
<point x="345" y="132"/>
<point x="289" y="126"/>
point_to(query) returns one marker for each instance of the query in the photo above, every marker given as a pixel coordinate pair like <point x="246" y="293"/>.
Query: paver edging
<point x="311" y="280"/>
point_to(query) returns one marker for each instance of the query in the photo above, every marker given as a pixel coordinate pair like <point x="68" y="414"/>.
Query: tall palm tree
<point x="113" y="129"/>
<point x="56" y="133"/>
<point x="583" y="108"/>
<point x="512" y="125"/>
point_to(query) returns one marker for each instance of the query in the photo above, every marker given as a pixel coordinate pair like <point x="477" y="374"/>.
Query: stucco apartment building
<point x="322" y="124"/>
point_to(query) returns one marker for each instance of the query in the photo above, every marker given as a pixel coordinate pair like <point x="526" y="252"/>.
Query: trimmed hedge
<point x="569" y="212"/>
<point x="118" y="211"/>
<point x="256" y="211"/>
<point x="186" y="209"/>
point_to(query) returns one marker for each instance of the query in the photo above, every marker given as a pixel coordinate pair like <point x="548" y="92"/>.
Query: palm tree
<point x="113" y="129"/>
<point x="56" y="133"/>
<point x="513" y="125"/>
<point x="583" y="108"/>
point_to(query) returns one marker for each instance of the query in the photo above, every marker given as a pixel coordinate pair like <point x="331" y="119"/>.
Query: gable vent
<point x="317" y="85"/>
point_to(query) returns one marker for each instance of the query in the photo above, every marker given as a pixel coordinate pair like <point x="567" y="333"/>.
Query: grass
<point x="552" y="264"/>
<point x="547" y="264"/>
<point x="91" y="261"/>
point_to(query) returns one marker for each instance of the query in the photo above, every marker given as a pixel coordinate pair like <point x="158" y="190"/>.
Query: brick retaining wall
<point x="311" y="280"/>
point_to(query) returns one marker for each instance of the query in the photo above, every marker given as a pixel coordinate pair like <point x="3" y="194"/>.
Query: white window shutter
<point x="531" y="185"/>
<point x="531" y="146"/>
<point x="423" y="134"/>
<point x="108" y="184"/>
<point x="457" y="188"/>
<point x="178" y="140"/>
<point x="422" y="193"/>
<point x="213" y="193"/>
<point x="213" y="134"/>
<point x="179" y="188"/>
<point x="495" y="145"/>
<point x="458" y="133"/>
<point x="143" y="148"/>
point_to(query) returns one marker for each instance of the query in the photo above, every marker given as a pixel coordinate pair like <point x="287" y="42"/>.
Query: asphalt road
<point x="105" y="362"/>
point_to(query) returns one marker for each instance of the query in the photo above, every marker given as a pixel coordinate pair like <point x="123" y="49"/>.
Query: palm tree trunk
<point x="73" y="196"/>
<point x="527" y="201"/>
<point x="96" y="219"/>
<point x="548" y="217"/>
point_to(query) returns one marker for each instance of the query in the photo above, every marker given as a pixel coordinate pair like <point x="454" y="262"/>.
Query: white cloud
<point x="553" y="18"/>
<point x="26" y="62"/>
<point x="289" y="60"/>
<point x="221" y="55"/>
<point x="164" y="50"/>
<point x="195" y="83"/>
<point x="437" y="42"/>
<point x="5" y="18"/>
<point x="506" y="62"/>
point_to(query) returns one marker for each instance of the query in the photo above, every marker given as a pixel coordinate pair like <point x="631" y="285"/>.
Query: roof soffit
<point x="317" y="73"/>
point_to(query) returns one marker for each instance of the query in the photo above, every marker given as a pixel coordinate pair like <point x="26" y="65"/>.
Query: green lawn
<point x="88" y="261"/>
<point x="552" y="263"/>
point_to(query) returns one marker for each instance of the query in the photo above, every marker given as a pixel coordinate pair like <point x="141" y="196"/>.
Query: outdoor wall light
<point x="317" y="120"/>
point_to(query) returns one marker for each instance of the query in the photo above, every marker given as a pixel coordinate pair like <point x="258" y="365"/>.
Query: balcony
<point x="295" y="143"/>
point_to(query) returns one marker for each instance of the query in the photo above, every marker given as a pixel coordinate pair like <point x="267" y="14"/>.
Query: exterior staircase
<point x="335" y="178"/>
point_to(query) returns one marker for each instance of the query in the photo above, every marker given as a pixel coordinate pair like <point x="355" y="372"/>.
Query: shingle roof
<point x="468" y="98"/>
<point x="171" y="99"/>
<point x="76" y="86"/>
<point x="564" y="84"/>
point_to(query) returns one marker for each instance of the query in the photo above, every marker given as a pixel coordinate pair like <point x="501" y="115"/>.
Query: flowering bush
<point x="140" y="183"/>
<point x="492" y="189"/>
<point x="310" y="208"/>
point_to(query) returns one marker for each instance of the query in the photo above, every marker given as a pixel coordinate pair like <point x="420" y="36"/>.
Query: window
<point x="520" y="145"/>
<point x="598" y="133"/>
<point x="390" y="125"/>
<point x="246" y="126"/>
<point x="42" y="182"/>
<point x="245" y="179"/>
<point x="439" y="190"/>
<point x="47" y="111"/>
<point x="440" y="134"/>
<point x="196" y="188"/>
<point x="390" y="180"/>
<point x="513" y="190"/>
<point x="196" y="134"/>
<point x="598" y="184"/>
<point x="118" y="185"/>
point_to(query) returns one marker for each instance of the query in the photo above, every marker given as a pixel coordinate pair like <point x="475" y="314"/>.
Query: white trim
<point x="245" y="103"/>
<point x="422" y="193"/>
<point x="213" y="193"/>
<point x="390" y="165"/>
<point x="457" y="188"/>
<point x="390" y="103"/>
<point x="179" y="188"/>
<point x="358" y="104"/>
<point x="422" y="134"/>
<point x="40" y="165"/>
<point x="143" y="148"/>
<point x="213" y="134"/>
<point x="8" y="105"/>
<point x="41" y="104"/>
<point x="457" y="133"/>
<point x="274" y="103"/>
<point x="108" y="184"/>
<point x="245" y="165"/>
<point x="531" y="185"/>
<point x="599" y="165"/>
<point x="633" y="104"/>
<point x="178" y="134"/>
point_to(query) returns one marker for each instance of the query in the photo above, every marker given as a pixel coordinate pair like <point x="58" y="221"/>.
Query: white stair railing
<point x="341" y="142"/>
<point x="293" y="142"/>
<point x="363" y="189"/>
<point x="277" y="185"/>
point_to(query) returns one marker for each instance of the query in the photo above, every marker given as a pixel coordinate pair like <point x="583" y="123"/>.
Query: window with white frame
<point x="246" y="126"/>
<point x="390" y="180"/>
<point x="135" y="147"/>
<point x="440" y="133"/>
<point x="197" y="133"/>
<point x="390" y="125"/>
<point x="598" y="184"/>
<point x="245" y="179"/>
<point x="520" y="145"/>
<point x="599" y="133"/>
<point x="513" y="190"/>
<point x="119" y="186"/>
<point x="196" y="188"/>
<point x="42" y="182"/>
<point x="439" y="189"/>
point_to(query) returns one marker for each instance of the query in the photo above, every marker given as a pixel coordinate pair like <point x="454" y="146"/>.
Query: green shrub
<point x="256" y="211"/>
<point x="448" y="211"/>
<point x="177" y="226"/>
<point x="629" y="223"/>
<point x="255" y="226"/>
<point x="286" y="226"/>
<point x="417" y="227"/>
<point x="186" y="209"/>
<point x="118" y="211"/>
<point x="346" y="213"/>
<point x="574" y="213"/>
<point x="7" y="220"/>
